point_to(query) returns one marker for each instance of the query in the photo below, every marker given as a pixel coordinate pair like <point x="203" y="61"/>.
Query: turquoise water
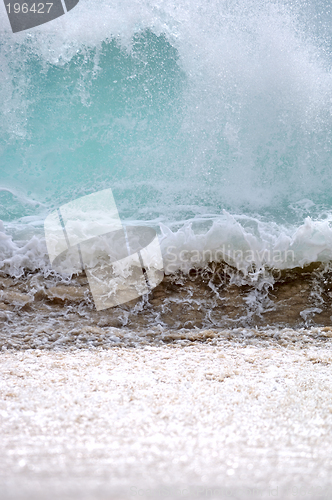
<point x="214" y="112"/>
<point x="89" y="126"/>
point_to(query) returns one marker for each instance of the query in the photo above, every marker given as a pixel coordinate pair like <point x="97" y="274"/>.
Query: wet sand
<point x="38" y="311"/>
<point x="218" y="417"/>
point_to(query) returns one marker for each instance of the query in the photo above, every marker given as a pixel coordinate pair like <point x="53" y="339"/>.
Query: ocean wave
<point x="179" y="107"/>
<point x="249" y="244"/>
<point x="210" y="121"/>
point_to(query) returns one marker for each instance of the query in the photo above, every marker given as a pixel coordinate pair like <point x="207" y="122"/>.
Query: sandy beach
<point x="214" y="419"/>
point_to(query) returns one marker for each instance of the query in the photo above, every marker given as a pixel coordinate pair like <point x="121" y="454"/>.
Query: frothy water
<point x="210" y="121"/>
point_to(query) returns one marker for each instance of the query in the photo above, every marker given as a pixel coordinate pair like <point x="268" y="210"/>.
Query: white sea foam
<point x="247" y="243"/>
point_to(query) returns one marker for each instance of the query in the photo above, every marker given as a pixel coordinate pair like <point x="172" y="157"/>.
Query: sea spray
<point x="211" y="123"/>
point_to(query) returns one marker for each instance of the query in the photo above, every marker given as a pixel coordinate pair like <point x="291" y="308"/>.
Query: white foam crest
<point x="263" y="32"/>
<point x="16" y="258"/>
<point x="23" y="249"/>
<point x="247" y="244"/>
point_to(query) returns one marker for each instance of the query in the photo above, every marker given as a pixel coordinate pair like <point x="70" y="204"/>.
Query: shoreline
<point x="215" y="298"/>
